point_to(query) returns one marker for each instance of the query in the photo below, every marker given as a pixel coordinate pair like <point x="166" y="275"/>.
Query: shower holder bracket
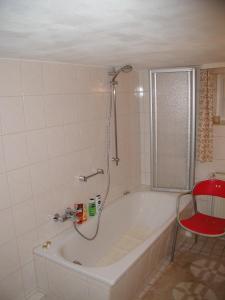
<point x="85" y="178"/>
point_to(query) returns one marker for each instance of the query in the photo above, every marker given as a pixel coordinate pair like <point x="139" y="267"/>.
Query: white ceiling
<point x="152" y="33"/>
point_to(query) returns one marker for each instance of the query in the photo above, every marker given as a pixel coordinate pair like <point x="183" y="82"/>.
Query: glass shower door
<point x="172" y="101"/>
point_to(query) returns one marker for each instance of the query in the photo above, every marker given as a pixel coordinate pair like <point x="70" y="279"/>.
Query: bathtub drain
<point x="76" y="262"/>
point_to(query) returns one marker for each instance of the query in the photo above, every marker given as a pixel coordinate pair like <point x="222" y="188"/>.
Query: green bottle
<point x="92" y="207"/>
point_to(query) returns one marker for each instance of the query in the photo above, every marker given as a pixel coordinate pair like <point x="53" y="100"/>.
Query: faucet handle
<point x="69" y="211"/>
<point x="69" y="214"/>
<point x="57" y="218"/>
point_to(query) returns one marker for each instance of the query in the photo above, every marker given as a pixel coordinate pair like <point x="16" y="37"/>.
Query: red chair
<point x="198" y="223"/>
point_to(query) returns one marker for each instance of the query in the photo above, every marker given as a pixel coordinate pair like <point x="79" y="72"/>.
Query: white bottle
<point x="98" y="203"/>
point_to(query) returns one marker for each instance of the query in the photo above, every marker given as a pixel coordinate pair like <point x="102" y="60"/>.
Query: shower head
<point x="125" y="69"/>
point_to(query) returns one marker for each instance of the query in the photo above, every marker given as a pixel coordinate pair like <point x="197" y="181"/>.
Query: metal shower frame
<point x="191" y="127"/>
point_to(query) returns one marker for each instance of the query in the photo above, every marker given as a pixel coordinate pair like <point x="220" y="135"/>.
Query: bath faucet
<point x="69" y="214"/>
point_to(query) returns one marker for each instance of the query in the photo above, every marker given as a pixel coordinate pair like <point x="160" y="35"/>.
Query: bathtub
<point x="134" y="238"/>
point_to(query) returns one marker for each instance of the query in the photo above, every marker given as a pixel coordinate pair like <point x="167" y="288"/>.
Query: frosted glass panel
<point x="172" y="129"/>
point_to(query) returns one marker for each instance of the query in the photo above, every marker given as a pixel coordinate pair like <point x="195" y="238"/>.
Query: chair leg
<point x="196" y="238"/>
<point x="174" y="242"/>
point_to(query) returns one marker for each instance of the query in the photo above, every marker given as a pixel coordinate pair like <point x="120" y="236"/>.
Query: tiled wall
<point x="144" y="111"/>
<point x="52" y="129"/>
<point x="204" y="170"/>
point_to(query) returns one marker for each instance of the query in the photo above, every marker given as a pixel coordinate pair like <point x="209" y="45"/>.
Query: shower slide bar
<point x="114" y="83"/>
<point x="85" y="178"/>
<point x="116" y="157"/>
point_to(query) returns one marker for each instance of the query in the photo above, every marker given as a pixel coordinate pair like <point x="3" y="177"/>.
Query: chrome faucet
<point x="69" y="214"/>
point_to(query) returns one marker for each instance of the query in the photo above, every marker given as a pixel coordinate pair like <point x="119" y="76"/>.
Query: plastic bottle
<point x="84" y="212"/>
<point x="98" y="202"/>
<point x="92" y="207"/>
<point x="79" y="213"/>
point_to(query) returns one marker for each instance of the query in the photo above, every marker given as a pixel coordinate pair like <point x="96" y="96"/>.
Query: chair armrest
<point x="179" y="198"/>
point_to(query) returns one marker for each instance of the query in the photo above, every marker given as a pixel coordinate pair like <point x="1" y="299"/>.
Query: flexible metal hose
<point x="105" y="195"/>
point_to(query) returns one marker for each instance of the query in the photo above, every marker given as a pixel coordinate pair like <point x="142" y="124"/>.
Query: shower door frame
<point x="191" y="127"/>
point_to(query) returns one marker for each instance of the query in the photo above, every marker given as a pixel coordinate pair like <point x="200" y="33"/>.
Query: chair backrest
<point x="210" y="187"/>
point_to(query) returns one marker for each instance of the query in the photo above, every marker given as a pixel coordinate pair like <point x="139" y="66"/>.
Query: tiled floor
<point x="197" y="273"/>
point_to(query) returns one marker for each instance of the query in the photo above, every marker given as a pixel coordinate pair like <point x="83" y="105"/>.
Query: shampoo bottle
<point x="79" y="213"/>
<point x="92" y="207"/>
<point x="84" y="213"/>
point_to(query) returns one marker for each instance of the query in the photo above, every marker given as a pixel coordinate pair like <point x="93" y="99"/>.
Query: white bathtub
<point x="134" y="237"/>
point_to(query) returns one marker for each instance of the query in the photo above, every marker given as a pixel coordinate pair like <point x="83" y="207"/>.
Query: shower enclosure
<point x="172" y="118"/>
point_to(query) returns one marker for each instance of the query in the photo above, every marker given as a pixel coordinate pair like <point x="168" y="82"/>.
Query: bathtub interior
<point x="125" y="226"/>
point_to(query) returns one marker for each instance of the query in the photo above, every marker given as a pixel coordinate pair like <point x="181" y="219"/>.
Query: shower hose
<point x="105" y="195"/>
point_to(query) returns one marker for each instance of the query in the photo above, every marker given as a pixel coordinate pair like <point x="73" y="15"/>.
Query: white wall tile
<point x="82" y="111"/>
<point x="124" y="85"/>
<point x="87" y="135"/>
<point x="15" y="148"/>
<point x="12" y="287"/>
<point x="44" y="207"/>
<point x="147" y="178"/>
<point x="12" y="114"/>
<point x="24" y="217"/>
<point x="83" y="79"/>
<point x="0" y="126"/>
<point x="58" y="172"/>
<point x="205" y="170"/>
<point x="218" y="148"/>
<point x="54" y="107"/>
<point x="41" y="273"/>
<point x="99" y="81"/>
<point x="217" y="165"/>
<point x="69" y="109"/>
<point x="50" y="229"/>
<point x="6" y="226"/>
<point x="10" y="78"/>
<point x="26" y="243"/>
<point x="123" y="103"/>
<point x="56" y="141"/>
<point x="72" y="137"/>
<point x="219" y="130"/>
<point x="39" y="296"/>
<point x="144" y="79"/>
<point x="58" y="78"/>
<point x="32" y="81"/>
<point x="5" y="200"/>
<point x="9" y="259"/>
<point x="2" y="157"/>
<point x="37" y="145"/>
<point x="29" y="280"/>
<point x="20" y="185"/>
<point x="40" y="178"/>
<point x="34" y="111"/>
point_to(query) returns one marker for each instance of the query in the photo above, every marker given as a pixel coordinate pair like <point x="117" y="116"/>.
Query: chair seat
<point x="204" y="224"/>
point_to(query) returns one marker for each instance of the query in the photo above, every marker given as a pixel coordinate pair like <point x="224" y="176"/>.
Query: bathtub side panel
<point x="98" y="290"/>
<point x="67" y="284"/>
<point x="40" y="264"/>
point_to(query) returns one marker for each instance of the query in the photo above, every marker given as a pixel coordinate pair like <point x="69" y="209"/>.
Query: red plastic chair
<point x="202" y="224"/>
